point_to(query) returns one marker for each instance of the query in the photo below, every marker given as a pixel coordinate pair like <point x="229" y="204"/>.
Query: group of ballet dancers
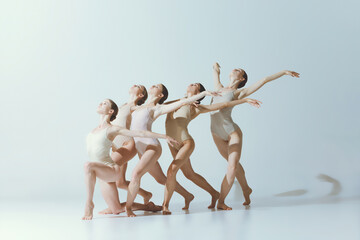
<point x="125" y="131"/>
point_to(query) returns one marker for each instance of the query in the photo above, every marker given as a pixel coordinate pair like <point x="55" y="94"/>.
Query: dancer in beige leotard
<point x="227" y="135"/>
<point x="176" y="127"/>
<point x="149" y="150"/>
<point x="102" y="166"/>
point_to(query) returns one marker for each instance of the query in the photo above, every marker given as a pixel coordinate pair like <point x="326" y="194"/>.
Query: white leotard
<point x="122" y="120"/>
<point x="142" y="120"/>
<point x="222" y="124"/>
<point x="98" y="147"/>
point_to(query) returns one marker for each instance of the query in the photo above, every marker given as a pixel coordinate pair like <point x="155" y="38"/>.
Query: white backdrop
<point x="59" y="59"/>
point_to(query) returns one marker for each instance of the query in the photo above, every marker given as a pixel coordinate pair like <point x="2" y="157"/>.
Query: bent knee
<point x="173" y="169"/>
<point x="88" y="166"/>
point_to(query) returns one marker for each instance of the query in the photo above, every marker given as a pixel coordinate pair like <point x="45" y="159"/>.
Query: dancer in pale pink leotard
<point x="149" y="150"/>
<point x="123" y="146"/>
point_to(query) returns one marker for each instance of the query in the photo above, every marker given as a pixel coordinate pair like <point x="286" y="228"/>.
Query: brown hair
<point x="242" y="83"/>
<point x="114" y="107"/>
<point x="165" y="93"/>
<point x="143" y="99"/>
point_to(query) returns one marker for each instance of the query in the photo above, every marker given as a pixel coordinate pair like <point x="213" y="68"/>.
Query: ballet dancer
<point x="101" y="165"/>
<point x="176" y="127"/>
<point x="149" y="149"/>
<point x="227" y="135"/>
<point x="123" y="146"/>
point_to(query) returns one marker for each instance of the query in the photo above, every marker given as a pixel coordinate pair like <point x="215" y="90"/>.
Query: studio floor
<point x="274" y="218"/>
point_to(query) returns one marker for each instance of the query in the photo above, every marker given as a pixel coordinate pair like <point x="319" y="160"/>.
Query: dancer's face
<point x="236" y="76"/>
<point x="193" y="88"/>
<point x="156" y="90"/>
<point x="137" y="90"/>
<point x="105" y="108"/>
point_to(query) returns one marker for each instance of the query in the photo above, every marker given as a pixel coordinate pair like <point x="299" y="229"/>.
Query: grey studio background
<point x="59" y="59"/>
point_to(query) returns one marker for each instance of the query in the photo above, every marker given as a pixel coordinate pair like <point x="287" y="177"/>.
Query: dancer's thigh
<point x="148" y="159"/>
<point x="125" y="153"/>
<point x="222" y="146"/>
<point x="104" y="172"/>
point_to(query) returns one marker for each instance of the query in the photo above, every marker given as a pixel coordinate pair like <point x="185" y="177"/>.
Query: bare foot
<point x="88" y="215"/>
<point x="223" y="206"/>
<point x="130" y="213"/>
<point x="106" y="211"/>
<point x="247" y="196"/>
<point x="147" y="197"/>
<point x="152" y="207"/>
<point x="214" y="198"/>
<point x="166" y="211"/>
<point x="187" y="202"/>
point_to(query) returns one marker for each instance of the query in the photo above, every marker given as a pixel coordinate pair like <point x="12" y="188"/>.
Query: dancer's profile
<point x="226" y="134"/>
<point x="102" y="166"/>
<point x="176" y="127"/>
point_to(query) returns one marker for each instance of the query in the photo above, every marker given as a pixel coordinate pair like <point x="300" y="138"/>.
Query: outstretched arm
<point x="218" y="106"/>
<point x="164" y="109"/>
<point x="242" y="93"/>
<point x="217" y="83"/>
<point x="139" y="133"/>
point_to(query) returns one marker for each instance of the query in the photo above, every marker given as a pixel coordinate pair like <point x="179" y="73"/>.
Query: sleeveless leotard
<point x="98" y="147"/>
<point x="141" y="120"/>
<point x="176" y="123"/>
<point x="222" y="124"/>
<point x="122" y="121"/>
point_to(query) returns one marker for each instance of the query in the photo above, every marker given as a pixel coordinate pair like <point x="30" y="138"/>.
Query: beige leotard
<point x="176" y="123"/>
<point x="98" y="147"/>
<point x="222" y="124"/>
<point x="122" y="120"/>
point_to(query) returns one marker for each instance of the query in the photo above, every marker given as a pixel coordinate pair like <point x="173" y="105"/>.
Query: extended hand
<point x="292" y="73"/>
<point x="253" y="102"/>
<point x="172" y="142"/>
<point x="216" y="67"/>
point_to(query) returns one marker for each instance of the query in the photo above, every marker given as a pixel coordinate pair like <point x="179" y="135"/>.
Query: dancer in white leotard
<point x="102" y="166"/>
<point x="124" y="146"/>
<point x="227" y="135"/>
<point x="176" y="127"/>
<point x="149" y="150"/>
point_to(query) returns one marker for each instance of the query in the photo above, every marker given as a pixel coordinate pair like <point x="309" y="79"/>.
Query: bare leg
<point x="148" y="159"/>
<point x="124" y="184"/>
<point x="111" y="197"/>
<point x="196" y="178"/>
<point x="223" y="147"/>
<point x="160" y="177"/>
<point x="181" y="157"/>
<point x="93" y="170"/>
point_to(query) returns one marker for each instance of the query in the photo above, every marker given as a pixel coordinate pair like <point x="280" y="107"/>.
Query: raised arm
<point x="164" y="109"/>
<point x="217" y="83"/>
<point x="242" y="93"/>
<point x="218" y="106"/>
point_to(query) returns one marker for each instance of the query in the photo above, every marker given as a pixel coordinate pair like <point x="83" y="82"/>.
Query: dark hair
<point x="165" y="93"/>
<point x="114" y="107"/>
<point x="202" y="88"/>
<point x="242" y="83"/>
<point x="143" y="99"/>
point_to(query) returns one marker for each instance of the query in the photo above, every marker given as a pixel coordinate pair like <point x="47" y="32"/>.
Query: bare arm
<point x="218" y="106"/>
<point x="242" y="93"/>
<point x="164" y="109"/>
<point x="139" y="133"/>
<point x="217" y="83"/>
